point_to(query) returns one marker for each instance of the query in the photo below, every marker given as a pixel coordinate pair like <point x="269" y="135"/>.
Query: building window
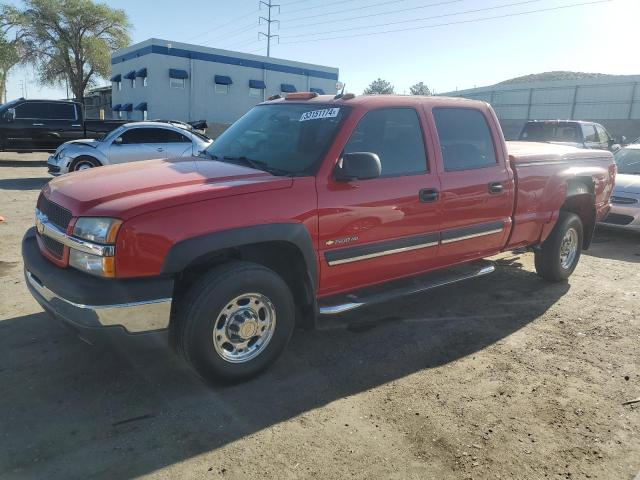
<point x="133" y="82"/>
<point x="119" y="113"/>
<point x="176" y="82"/>
<point x="144" y="81"/>
<point x="144" y="115"/>
<point x="255" y="92"/>
<point x="224" y="89"/>
<point x="119" y="85"/>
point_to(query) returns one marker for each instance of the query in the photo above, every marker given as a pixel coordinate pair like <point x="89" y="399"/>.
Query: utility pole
<point x="268" y="20"/>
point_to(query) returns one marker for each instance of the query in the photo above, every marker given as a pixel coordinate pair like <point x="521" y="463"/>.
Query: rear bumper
<point x="85" y="301"/>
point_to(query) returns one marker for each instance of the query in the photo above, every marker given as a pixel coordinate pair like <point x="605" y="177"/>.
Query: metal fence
<point x="584" y="102"/>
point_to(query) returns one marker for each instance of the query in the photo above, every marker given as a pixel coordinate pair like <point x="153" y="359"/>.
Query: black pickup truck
<point x="43" y="125"/>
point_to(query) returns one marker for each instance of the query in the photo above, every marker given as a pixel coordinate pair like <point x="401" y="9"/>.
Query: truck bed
<point x="543" y="173"/>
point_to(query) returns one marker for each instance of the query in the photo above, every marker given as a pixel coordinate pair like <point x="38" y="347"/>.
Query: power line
<point x="219" y="27"/>
<point x="429" y="5"/>
<point x="233" y="33"/>
<point x="477" y="10"/>
<point x="388" y="2"/>
<point x="574" y="5"/>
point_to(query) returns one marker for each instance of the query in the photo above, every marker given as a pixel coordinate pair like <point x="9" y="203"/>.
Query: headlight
<point x="93" y="264"/>
<point x="97" y="229"/>
<point x="60" y="154"/>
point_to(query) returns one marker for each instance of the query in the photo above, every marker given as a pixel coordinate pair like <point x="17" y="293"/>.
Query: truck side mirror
<point x="358" y="166"/>
<point x="10" y="115"/>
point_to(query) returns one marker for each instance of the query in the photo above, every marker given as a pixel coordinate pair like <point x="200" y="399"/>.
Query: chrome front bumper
<point x="135" y="317"/>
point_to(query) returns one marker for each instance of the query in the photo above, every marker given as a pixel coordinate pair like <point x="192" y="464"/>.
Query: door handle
<point x="428" y="195"/>
<point x="38" y="124"/>
<point x="496" y="187"/>
<point x="160" y="149"/>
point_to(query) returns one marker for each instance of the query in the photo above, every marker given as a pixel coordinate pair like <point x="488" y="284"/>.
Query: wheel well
<point x="84" y="157"/>
<point x="282" y="257"/>
<point x="581" y="201"/>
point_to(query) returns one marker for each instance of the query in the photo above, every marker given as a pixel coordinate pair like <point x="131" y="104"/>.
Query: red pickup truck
<point x="308" y="205"/>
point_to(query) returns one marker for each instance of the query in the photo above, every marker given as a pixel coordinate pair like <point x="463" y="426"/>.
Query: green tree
<point x="379" y="86"/>
<point x="9" y="57"/>
<point x="69" y="39"/>
<point x="419" y="89"/>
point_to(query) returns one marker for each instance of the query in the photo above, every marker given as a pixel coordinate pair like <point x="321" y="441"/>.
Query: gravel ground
<point x="501" y="377"/>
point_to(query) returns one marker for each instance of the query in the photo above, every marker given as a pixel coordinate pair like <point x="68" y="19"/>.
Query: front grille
<point x="54" y="169"/>
<point x="623" y="200"/>
<point x="618" y="219"/>
<point x="54" y="247"/>
<point x="56" y="214"/>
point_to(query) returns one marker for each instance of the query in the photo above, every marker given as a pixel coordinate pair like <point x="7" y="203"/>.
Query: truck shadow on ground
<point x="35" y="183"/>
<point x="615" y="244"/>
<point x="130" y="407"/>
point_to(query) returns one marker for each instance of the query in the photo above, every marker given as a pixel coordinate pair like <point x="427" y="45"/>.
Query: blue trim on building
<point x="141" y="106"/>
<point x="142" y="72"/>
<point x="222" y="80"/>
<point x="175" y="73"/>
<point x="287" y="88"/>
<point x="116" y="107"/>
<point x="257" y="84"/>
<point x="319" y="91"/>
<point x="127" y="107"/>
<point x="116" y="78"/>
<point x="212" y="57"/>
<point x="130" y="75"/>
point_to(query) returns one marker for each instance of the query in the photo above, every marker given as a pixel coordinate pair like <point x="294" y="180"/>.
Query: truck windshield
<point x="284" y="138"/>
<point x="628" y="160"/>
<point x="551" y="132"/>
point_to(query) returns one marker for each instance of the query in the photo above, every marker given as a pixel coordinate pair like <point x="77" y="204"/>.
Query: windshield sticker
<point x="320" y="114"/>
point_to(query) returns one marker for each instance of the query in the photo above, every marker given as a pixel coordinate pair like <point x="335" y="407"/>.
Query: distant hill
<point x="550" y="76"/>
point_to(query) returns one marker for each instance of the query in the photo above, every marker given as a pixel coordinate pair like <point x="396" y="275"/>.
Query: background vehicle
<point x="131" y="142"/>
<point x="43" y="125"/>
<point x="569" y="132"/>
<point x="307" y="205"/>
<point x="625" y="201"/>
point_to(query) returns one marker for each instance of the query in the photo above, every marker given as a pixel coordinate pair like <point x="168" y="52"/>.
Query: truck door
<point x="374" y="230"/>
<point x="64" y="123"/>
<point x="27" y="131"/>
<point x="476" y="181"/>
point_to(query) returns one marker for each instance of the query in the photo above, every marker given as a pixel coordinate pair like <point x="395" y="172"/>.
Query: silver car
<point x="129" y="143"/>
<point x="625" y="201"/>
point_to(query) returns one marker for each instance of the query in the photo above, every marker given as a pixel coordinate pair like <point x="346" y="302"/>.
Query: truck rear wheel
<point x="559" y="254"/>
<point x="235" y="321"/>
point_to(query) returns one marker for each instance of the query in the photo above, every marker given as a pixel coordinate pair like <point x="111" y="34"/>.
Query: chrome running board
<point x="400" y="288"/>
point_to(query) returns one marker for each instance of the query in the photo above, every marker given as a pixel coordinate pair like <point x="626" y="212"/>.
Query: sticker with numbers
<point x="320" y="114"/>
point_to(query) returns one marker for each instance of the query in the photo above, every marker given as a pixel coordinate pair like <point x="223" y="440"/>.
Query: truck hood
<point x="627" y="183"/>
<point x="126" y="190"/>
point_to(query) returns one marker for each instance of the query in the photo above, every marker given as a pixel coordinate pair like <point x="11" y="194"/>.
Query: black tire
<point x="548" y="258"/>
<point x="84" y="161"/>
<point x="201" y="310"/>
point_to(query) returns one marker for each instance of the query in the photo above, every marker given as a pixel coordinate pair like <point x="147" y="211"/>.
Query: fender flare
<point x="187" y="251"/>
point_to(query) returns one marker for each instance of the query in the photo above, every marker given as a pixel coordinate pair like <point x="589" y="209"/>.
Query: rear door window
<point x="465" y="139"/>
<point x="61" y="111"/>
<point x="395" y="135"/>
<point x="589" y="133"/>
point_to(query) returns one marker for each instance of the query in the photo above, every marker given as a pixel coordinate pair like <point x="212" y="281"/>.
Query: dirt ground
<point x="505" y="377"/>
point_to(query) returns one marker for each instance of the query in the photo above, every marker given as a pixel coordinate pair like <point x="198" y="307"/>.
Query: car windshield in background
<point x="628" y="160"/>
<point x="284" y="139"/>
<point x="551" y="132"/>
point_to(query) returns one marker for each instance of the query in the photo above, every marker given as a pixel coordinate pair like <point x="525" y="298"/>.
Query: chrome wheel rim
<point x="244" y="328"/>
<point x="83" y="166"/>
<point x="569" y="248"/>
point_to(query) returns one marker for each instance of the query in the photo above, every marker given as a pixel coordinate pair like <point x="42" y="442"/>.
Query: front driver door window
<point x="137" y="144"/>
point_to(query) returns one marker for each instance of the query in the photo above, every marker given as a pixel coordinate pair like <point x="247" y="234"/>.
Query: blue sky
<point x="592" y="38"/>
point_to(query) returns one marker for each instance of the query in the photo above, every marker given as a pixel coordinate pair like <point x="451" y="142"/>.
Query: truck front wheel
<point x="235" y="321"/>
<point x="558" y="256"/>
